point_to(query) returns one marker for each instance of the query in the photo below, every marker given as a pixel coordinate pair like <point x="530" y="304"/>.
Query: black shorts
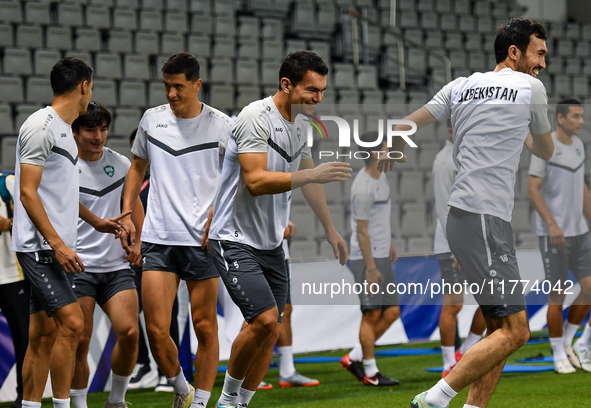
<point x="576" y="256"/>
<point x="256" y="279"/>
<point x="102" y="286"/>
<point x="288" y="269"/>
<point x="188" y="262"/>
<point x="51" y="287"/>
<point x="485" y="249"/>
<point x="381" y="300"/>
<point x="449" y="273"/>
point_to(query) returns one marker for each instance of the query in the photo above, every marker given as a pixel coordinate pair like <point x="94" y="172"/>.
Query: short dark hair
<point x="297" y="63"/>
<point x="368" y="138"/>
<point x="96" y="114"/>
<point x="182" y="63"/>
<point x="564" y="104"/>
<point x="67" y="74"/>
<point x="517" y="32"/>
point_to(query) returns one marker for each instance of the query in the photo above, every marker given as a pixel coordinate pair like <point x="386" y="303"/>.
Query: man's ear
<point x="285" y="84"/>
<point x="198" y="84"/>
<point x="513" y="52"/>
<point x="84" y="87"/>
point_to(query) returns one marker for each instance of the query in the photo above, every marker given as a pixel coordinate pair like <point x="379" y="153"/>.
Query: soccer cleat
<point x="564" y="367"/>
<point x="458" y="355"/>
<point x="184" y="400"/>
<point x="354" y="367"/>
<point x="264" y="386"/>
<point x="584" y="355"/>
<point x="379" y="380"/>
<point x="572" y="357"/>
<point x="163" y="385"/>
<point x="420" y="402"/>
<point x="217" y="405"/>
<point x="297" y="380"/>
<point x="117" y="405"/>
<point x="446" y="372"/>
<point x="142" y="377"/>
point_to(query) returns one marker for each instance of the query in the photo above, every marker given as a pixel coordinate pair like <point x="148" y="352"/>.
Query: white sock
<point x="31" y="404"/>
<point x="371" y="368"/>
<point x="569" y="332"/>
<point x="78" y="398"/>
<point x="471" y="340"/>
<point x="470" y="406"/>
<point x="586" y="337"/>
<point x="286" y="366"/>
<point x="440" y="394"/>
<point x="180" y="384"/>
<point x="449" y="356"/>
<point x="558" y="349"/>
<point x="357" y="353"/>
<point x="230" y="391"/>
<point x="61" y="403"/>
<point x="245" y="397"/>
<point x="119" y="385"/>
<point x="200" y="399"/>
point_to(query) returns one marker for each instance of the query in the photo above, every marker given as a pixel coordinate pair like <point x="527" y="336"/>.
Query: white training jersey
<point x="257" y="221"/>
<point x="101" y="186"/>
<point x="491" y="115"/>
<point x="46" y="140"/>
<point x="443" y="176"/>
<point x="371" y="201"/>
<point x="186" y="157"/>
<point x="10" y="270"/>
<point x="563" y="187"/>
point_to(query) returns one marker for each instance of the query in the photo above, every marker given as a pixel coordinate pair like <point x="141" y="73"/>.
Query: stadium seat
<point x="454" y="41"/>
<point x="414" y="220"/>
<point x="202" y="24"/>
<point x="581" y="86"/>
<point x="224" y="26"/>
<point x="477" y="61"/>
<point x="343" y="76"/>
<point x="272" y="30"/>
<point x="246" y="95"/>
<point x="156" y="5"/>
<point x="565" y="47"/>
<point x="120" y="41"/>
<point x="248" y="49"/>
<point x="176" y="21"/>
<point x="102" y="3"/>
<point x="474" y="43"/>
<point x="126" y="120"/>
<point x="429" y="21"/>
<point x="223" y="8"/>
<point x="408" y="19"/>
<point x="136" y="67"/>
<point x="200" y="6"/>
<point x="6" y="36"/>
<point x="23" y="111"/>
<point x="10" y="12"/>
<point x="29" y="36"/>
<point x="127" y="4"/>
<point x="132" y="93"/>
<point x="269" y="73"/>
<point x="467" y="25"/>
<point x="303" y="249"/>
<point x="520" y="220"/>
<point x="222" y="97"/>
<point x="420" y="245"/>
<point x="412" y="34"/>
<point x="528" y="240"/>
<point x="98" y="17"/>
<point x="8" y="153"/>
<point x="146" y="43"/>
<point x="367" y="77"/>
<point x="221" y="71"/>
<point x="485" y="25"/>
<point x="248" y="27"/>
<point x="395" y="216"/>
<point x="87" y="39"/>
<point x="108" y="65"/>
<point x="6" y="122"/>
<point x="373" y="101"/>
<point x="573" y="67"/>
<point x="295" y="45"/>
<point x="582" y="49"/>
<point x="84" y="56"/>
<point x="411" y="185"/>
<point x="125" y="19"/>
<point x="45" y="60"/>
<point x="39" y="90"/>
<point x="37" y="13"/>
<point x="555" y="65"/>
<point x="17" y="62"/>
<point x="172" y="43"/>
<point x="247" y="72"/>
<point x="327" y="20"/>
<point x="427" y="155"/>
<point x="273" y="51"/>
<point x="462" y="7"/>
<point x="482" y="8"/>
<point x="303" y="19"/>
<point x="156" y="94"/>
<point x="348" y="100"/>
<point x="458" y="59"/>
<point x="563" y="86"/>
<point x="70" y="15"/>
<point x="399" y="245"/>
<point x="150" y="20"/>
<point x="176" y="5"/>
<point x="104" y="91"/>
<point x="200" y="46"/>
<point x="573" y="31"/>
<point x="449" y="22"/>
<point x="429" y="193"/>
<point x="120" y="145"/>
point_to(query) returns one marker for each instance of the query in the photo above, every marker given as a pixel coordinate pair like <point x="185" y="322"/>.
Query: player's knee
<point x="520" y="336"/>
<point x="205" y="330"/>
<point x="265" y="324"/>
<point x="156" y="333"/>
<point x="372" y="316"/>
<point x="71" y="329"/>
<point x="392" y="314"/>
<point x="129" y="338"/>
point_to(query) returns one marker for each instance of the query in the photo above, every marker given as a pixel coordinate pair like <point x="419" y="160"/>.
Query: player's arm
<point x="373" y="274"/>
<point x="133" y="186"/>
<point x="314" y="195"/>
<point x="137" y="218"/>
<point x="586" y="203"/>
<point x="540" y="145"/>
<point x="30" y="177"/>
<point x="106" y="225"/>
<point x="556" y="235"/>
<point x="259" y="181"/>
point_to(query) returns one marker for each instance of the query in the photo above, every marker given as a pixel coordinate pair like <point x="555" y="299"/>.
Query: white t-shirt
<point x="371" y="200"/>
<point x="186" y="157"/>
<point x="443" y="176"/>
<point x="257" y="221"/>
<point x="10" y="271"/>
<point x="491" y="114"/>
<point x="102" y="183"/>
<point x="46" y="140"/>
<point x="562" y="188"/>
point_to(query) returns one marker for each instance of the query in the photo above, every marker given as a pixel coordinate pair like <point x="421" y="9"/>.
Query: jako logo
<point x="160" y="125"/>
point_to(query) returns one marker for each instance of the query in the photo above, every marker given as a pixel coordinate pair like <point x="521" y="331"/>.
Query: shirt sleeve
<point x="140" y="143"/>
<point x="362" y="202"/>
<point x="443" y="179"/>
<point x="540" y="123"/>
<point x="537" y="166"/>
<point x="440" y="105"/>
<point x="250" y="132"/>
<point x="35" y="145"/>
<point x="306" y="153"/>
<point x="9" y="180"/>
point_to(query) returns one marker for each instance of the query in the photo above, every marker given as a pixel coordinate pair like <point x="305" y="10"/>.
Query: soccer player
<point x="372" y="256"/>
<point x="108" y="279"/>
<point x="44" y="231"/>
<point x="183" y="141"/>
<point x="493" y="114"/>
<point x="264" y="161"/>
<point x="558" y="191"/>
<point x="443" y="176"/>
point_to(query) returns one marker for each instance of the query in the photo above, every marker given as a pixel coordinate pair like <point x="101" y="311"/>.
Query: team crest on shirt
<point x="299" y="133"/>
<point x="110" y="170"/>
<point x="578" y="151"/>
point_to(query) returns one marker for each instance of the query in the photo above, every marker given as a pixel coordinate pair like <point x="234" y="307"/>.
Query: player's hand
<point x="5" y="224"/>
<point x="393" y="253"/>
<point x="457" y="266"/>
<point x="333" y="171"/>
<point x="134" y="256"/>
<point x="68" y="259"/>
<point x="556" y="236"/>
<point x="129" y="227"/>
<point x="112" y="225"/>
<point x="373" y="276"/>
<point x="290" y="231"/>
<point x="386" y="162"/>
<point x="205" y="239"/>
<point x="338" y="245"/>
